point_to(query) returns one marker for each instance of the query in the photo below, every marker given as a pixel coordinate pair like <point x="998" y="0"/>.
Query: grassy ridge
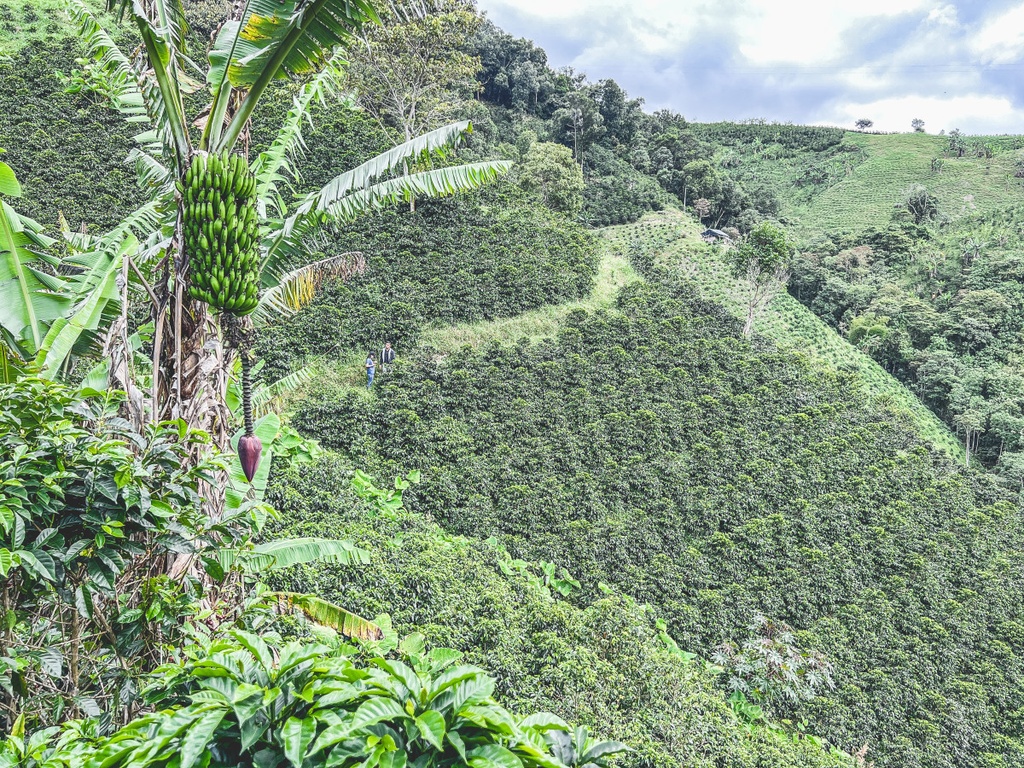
<point x="25" y="21"/>
<point x="830" y="181"/>
<point x="673" y="241"/>
<point x="892" y="163"/>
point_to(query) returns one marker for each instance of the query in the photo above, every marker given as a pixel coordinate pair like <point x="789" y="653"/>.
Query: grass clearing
<point x="614" y="273"/>
<point x="24" y="21"/>
<point x="893" y="163"/>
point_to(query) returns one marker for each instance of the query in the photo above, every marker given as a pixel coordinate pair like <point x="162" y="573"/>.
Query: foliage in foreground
<point x="251" y="700"/>
<point x="606" y="665"/>
<point x="107" y="558"/>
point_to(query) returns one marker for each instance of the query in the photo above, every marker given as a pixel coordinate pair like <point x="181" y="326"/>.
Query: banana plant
<point x="266" y="40"/>
<point x="45" y="316"/>
<point x="30" y="297"/>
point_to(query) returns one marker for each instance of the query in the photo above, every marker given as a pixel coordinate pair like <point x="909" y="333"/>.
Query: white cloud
<point x="809" y="31"/>
<point x="943" y="16"/>
<point x="1001" y="39"/>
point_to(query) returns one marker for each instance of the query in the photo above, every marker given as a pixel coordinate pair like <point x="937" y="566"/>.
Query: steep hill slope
<point x="602" y="663"/>
<point x="893" y="163"/>
<point x="672" y="241"/>
<point x="651" y="448"/>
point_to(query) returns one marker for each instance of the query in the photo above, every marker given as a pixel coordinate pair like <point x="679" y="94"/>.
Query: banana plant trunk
<point x="191" y="363"/>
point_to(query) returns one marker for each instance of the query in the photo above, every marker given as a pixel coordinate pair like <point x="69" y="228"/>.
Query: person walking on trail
<point x="387" y="358"/>
<point x="370" y="368"/>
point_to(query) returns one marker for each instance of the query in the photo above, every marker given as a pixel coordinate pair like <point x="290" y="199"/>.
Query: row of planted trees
<point x="130" y="551"/>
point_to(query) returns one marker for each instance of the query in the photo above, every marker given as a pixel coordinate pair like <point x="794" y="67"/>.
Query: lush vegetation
<point x="935" y="302"/>
<point x="462" y="260"/>
<point x="605" y="664"/>
<point x="652" y="449"/>
<point x="602" y="465"/>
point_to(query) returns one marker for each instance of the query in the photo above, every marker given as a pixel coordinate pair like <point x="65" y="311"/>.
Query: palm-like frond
<point x="291" y="291"/>
<point x="277" y="37"/>
<point x="438" y="182"/>
<point x="264" y="397"/>
<point x="161" y="27"/>
<point x="11" y="365"/>
<point x="285" y="243"/>
<point x="151" y="173"/>
<point x="105" y="52"/>
<point x="284" y="553"/>
<point x="436" y="142"/>
<point x="96" y="296"/>
<point x="30" y="298"/>
<point x="276" y="163"/>
<point x="331" y="615"/>
<point x="8" y="181"/>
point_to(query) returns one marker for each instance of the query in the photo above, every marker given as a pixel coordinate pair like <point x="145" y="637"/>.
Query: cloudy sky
<point x="951" y="64"/>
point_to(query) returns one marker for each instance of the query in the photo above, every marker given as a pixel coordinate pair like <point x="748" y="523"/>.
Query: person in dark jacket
<point x="387" y="358"/>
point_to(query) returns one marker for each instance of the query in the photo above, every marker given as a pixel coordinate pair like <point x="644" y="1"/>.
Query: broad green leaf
<point x="378" y="709"/>
<point x="198" y="738"/>
<point x="331" y="615"/>
<point x="257" y="647"/>
<point x="289" y="552"/>
<point x="277" y="38"/>
<point x="603" y="749"/>
<point x="40" y="563"/>
<point x="402" y="673"/>
<point x="93" y="292"/>
<point x="454" y="676"/>
<point x="9" y="182"/>
<point x="432" y="728"/>
<point x="544" y="721"/>
<point x="493" y="756"/>
<point x="296" y="736"/>
<point x="28" y="303"/>
<point x="6" y="562"/>
<point x="455" y="739"/>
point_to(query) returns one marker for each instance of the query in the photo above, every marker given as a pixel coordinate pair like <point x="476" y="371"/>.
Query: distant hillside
<point x="830" y="181"/>
<point x="25" y="21"/>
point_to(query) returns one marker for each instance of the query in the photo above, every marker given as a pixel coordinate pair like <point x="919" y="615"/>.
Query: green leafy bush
<point x="244" y="701"/>
<point x="605" y="665"/>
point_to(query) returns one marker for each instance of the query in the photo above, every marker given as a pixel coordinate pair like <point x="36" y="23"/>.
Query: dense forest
<point x="630" y="494"/>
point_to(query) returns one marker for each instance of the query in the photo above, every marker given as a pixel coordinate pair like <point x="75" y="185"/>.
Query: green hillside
<point x="672" y="241"/>
<point x="831" y="181"/>
<point x="725" y="550"/>
<point x="25" y="21"/>
<point x="893" y="163"/>
<point x="651" y="448"/>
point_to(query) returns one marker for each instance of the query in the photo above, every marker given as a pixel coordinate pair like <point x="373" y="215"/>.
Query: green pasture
<point x="893" y="163"/>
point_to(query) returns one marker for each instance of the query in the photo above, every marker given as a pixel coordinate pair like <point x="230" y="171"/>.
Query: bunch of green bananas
<point x="221" y="233"/>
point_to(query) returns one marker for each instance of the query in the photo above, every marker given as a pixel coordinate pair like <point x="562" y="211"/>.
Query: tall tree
<point x="411" y="71"/>
<point x="762" y="261"/>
